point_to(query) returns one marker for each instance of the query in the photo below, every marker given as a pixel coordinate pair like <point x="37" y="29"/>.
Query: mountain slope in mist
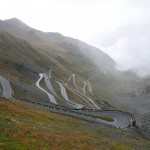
<point x="54" y="42"/>
<point x="53" y="49"/>
<point x="25" y="52"/>
<point x="23" y="57"/>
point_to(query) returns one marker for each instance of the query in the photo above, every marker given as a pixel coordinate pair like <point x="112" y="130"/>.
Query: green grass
<point x="26" y="128"/>
<point x="118" y="146"/>
<point x="103" y="118"/>
<point x="106" y="118"/>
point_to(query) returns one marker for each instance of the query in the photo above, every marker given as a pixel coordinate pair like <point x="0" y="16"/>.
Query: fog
<point x="129" y="43"/>
<point x="129" y="46"/>
<point x="119" y="27"/>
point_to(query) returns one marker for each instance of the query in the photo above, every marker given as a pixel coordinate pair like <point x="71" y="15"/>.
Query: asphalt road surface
<point x="51" y="97"/>
<point x="65" y="96"/>
<point x="7" y="91"/>
<point x="121" y="119"/>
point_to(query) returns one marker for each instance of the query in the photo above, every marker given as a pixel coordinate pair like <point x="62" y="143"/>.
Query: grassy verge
<point x="106" y="118"/>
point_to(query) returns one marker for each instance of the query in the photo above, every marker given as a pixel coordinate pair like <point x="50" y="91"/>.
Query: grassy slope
<point x="25" y="127"/>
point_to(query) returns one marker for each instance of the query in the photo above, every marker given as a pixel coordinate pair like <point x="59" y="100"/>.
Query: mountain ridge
<point x="46" y="40"/>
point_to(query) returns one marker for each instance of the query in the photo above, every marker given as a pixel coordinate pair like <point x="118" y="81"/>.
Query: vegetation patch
<point x="28" y="128"/>
<point x="106" y="118"/>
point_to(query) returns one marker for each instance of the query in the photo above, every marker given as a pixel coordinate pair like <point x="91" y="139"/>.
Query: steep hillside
<point x="22" y="54"/>
<point x="25" y="52"/>
<point x="63" y="56"/>
<point x="55" y="42"/>
<point x="25" y="127"/>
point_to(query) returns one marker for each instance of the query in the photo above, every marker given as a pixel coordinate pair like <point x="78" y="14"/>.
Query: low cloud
<point x="129" y="46"/>
<point x="132" y="53"/>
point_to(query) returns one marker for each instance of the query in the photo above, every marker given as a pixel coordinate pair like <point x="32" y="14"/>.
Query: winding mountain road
<point x="49" y="84"/>
<point x="65" y="96"/>
<point x="7" y="91"/>
<point x="83" y="96"/>
<point x="73" y="76"/>
<point x="84" y="90"/>
<point x="89" y="99"/>
<point x="89" y="88"/>
<point x="122" y="119"/>
<point x="51" y="97"/>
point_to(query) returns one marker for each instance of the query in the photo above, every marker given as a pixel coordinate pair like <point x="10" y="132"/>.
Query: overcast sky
<point x="120" y="27"/>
